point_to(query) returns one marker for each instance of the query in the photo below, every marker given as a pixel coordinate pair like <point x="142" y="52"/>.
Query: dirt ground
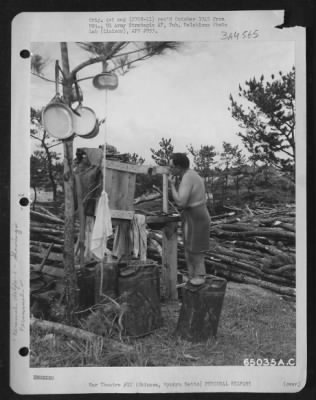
<point x="254" y="323"/>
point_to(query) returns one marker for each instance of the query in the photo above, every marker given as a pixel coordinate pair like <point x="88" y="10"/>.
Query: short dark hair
<point x="180" y="160"/>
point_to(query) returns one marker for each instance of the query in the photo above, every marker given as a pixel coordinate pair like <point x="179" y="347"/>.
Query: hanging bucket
<point x="84" y="121"/>
<point x="106" y="280"/>
<point x="86" y="285"/>
<point x="138" y="286"/>
<point x="201" y="309"/>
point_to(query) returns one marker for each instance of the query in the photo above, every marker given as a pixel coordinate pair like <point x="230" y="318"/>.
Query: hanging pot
<point x="105" y="80"/>
<point x="57" y="116"/>
<point x="57" y="120"/>
<point x="94" y="133"/>
<point x="84" y="121"/>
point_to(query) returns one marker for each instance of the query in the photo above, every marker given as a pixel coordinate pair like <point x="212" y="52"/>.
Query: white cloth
<point x="138" y="235"/>
<point x="121" y="243"/>
<point x="102" y="228"/>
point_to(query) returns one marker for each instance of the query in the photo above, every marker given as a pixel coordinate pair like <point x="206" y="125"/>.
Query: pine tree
<point x="268" y="122"/>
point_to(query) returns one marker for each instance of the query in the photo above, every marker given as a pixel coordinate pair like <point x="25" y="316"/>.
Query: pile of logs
<point x="250" y="246"/>
<point x="256" y="247"/>
<point x="46" y="241"/>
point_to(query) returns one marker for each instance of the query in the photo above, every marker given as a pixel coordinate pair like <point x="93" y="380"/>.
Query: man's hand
<point x="172" y="179"/>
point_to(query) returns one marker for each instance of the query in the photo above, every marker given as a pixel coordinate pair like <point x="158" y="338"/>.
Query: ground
<point x="254" y="324"/>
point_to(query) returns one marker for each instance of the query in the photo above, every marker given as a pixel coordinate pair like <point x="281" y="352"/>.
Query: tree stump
<point x="201" y="309"/>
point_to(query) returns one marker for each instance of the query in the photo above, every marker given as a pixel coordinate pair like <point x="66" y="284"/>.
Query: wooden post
<point x="169" y="250"/>
<point x="169" y="260"/>
<point x="71" y="289"/>
<point x="165" y="193"/>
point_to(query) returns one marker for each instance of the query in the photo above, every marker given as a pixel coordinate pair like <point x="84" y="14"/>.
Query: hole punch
<point x="25" y="53"/>
<point x="24" y="201"/>
<point x="24" y="351"/>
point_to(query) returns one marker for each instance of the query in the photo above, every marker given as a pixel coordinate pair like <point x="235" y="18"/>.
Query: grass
<point x="254" y="323"/>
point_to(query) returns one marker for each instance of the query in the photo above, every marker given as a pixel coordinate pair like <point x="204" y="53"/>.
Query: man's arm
<point x="181" y="196"/>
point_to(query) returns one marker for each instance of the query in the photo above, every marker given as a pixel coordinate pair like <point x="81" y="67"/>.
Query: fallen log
<point x="256" y="254"/>
<point x="39" y="247"/>
<point x="47" y="225"/>
<point x="281" y="270"/>
<point x="237" y="227"/>
<point x="255" y="268"/>
<point x="50" y="231"/>
<point x="287" y="226"/>
<point x="45" y="211"/>
<point x="280" y="280"/>
<point x="284" y="290"/>
<point x="251" y="256"/>
<point x="77" y="333"/>
<point x="46" y="238"/>
<point x="36" y="258"/>
<point x="258" y="246"/>
<point x="147" y="197"/>
<point x="44" y="217"/>
<point x="277" y="234"/>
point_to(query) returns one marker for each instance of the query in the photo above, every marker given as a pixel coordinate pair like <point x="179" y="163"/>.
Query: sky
<point x="182" y="95"/>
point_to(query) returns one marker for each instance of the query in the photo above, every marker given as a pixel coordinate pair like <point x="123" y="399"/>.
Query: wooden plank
<point x="162" y="219"/>
<point x="131" y="191"/>
<point x="122" y="214"/>
<point x="125" y="167"/>
<point x="120" y="190"/>
<point x="136" y="169"/>
<point x="169" y="261"/>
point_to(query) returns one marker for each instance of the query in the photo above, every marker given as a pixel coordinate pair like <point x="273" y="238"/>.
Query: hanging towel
<point x="102" y="228"/>
<point x="138" y="236"/>
<point x="122" y="243"/>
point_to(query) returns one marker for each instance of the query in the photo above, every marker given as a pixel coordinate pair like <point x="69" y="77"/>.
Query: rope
<point x="104" y="144"/>
<point x="104" y="172"/>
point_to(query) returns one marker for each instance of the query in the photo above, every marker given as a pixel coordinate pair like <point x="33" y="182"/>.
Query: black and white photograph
<point x="162" y="213"/>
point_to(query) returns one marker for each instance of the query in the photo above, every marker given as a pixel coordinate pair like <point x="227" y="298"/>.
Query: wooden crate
<point x="120" y="186"/>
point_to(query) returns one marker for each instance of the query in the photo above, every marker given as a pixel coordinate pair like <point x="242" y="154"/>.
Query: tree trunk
<point x="71" y="290"/>
<point x="50" y="170"/>
<point x="77" y="333"/>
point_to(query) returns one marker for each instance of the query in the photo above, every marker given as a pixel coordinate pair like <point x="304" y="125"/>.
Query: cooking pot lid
<point x="57" y="121"/>
<point x="93" y="134"/>
<point x="85" y="123"/>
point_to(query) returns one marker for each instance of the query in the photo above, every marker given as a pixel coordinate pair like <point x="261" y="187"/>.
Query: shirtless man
<point x="190" y="196"/>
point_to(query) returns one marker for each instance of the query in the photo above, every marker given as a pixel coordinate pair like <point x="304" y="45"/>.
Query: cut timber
<point x="56" y="232"/>
<point x="46" y="256"/>
<point x="122" y="214"/>
<point x="147" y="197"/>
<point x="201" y="309"/>
<point x="76" y="333"/>
<point x="44" y="217"/>
<point x="162" y="219"/>
<point x="47" y="238"/>
<point x="136" y="169"/>
<point x="274" y="233"/>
